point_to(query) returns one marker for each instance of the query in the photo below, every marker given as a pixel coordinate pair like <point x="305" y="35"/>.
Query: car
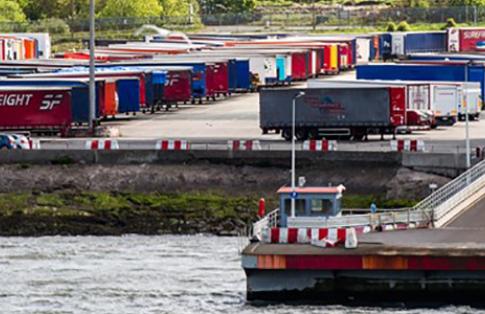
<point x="7" y="142"/>
<point x="21" y="141"/>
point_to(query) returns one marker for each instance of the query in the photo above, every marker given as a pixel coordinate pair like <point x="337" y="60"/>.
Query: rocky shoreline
<point x="76" y="199"/>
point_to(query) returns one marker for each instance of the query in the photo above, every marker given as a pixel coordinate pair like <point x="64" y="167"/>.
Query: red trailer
<point x="343" y="53"/>
<point x="320" y="60"/>
<point x="178" y="86"/>
<point x="217" y="79"/>
<point x="28" y="108"/>
<point x="466" y="39"/>
<point x="299" y="66"/>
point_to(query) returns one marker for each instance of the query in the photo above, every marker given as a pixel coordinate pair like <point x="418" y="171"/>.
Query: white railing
<point x="269" y="221"/>
<point x="407" y="217"/>
<point x="444" y="202"/>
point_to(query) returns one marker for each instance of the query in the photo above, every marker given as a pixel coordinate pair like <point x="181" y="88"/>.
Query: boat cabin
<point x="310" y="202"/>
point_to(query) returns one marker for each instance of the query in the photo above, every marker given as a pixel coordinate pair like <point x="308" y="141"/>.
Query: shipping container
<point x="345" y="112"/>
<point x="29" y="108"/>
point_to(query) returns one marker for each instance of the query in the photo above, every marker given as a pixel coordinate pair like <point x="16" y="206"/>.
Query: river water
<point x="137" y="274"/>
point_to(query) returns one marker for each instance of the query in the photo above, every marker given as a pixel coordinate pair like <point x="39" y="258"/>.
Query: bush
<point x="51" y="25"/>
<point x="403" y="27"/>
<point x="391" y="27"/>
<point x="450" y="23"/>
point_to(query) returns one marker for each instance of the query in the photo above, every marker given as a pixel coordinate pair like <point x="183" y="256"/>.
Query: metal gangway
<point x="436" y="210"/>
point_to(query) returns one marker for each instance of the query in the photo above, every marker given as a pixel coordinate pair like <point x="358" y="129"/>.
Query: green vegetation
<point x="103" y="213"/>
<point x="122" y="8"/>
<point x="403" y="26"/>
<point x="118" y="213"/>
<point x="364" y="201"/>
<point x="391" y="27"/>
<point x="11" y="11"/>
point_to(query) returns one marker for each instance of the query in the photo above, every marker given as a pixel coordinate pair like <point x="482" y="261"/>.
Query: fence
<point x="318" y="16"/>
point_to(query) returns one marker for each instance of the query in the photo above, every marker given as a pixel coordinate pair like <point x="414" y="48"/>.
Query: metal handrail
<point x="443" y="200"/>
<point x="270" y="220"/>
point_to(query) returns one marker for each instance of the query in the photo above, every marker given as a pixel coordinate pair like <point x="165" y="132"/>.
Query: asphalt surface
<point x="474" y="217"/>
<point x="237" y="117"/>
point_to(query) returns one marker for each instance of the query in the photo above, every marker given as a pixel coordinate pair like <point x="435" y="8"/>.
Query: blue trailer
<point x="243" y="75"/>
<point x="455" y="72"/>
<point x="406" y="43"/>
<point x="129" y="95"/>
<point x="239" y="75"/>
<point x="385" y="46"/>
<point x="445" y="57"/>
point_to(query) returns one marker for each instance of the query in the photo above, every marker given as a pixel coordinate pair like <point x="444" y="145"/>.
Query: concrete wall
<point x="437" y="163"/>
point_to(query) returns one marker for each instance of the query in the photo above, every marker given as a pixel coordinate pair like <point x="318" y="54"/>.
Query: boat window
<point x="299" y="207"/>
<point x="322" y="206"/>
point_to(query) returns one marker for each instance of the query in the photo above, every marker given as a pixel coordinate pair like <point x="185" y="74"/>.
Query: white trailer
<point x="362" y="48"/>
<point x="43" y="40"/>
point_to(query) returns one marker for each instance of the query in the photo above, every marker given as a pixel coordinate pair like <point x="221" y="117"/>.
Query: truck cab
<point x="321" y="202"/>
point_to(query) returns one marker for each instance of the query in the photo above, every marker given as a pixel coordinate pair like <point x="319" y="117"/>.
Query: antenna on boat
<point x="293" y="153"/>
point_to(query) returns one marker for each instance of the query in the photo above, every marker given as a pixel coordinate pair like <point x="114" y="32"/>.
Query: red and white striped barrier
<point x="102" y="144"/>
<point x="320" y="145"/>
<point x="247" y="145"/>
<point x="407" y="146"/>
<point x="172" y="145"/>
<point x="325" y="237"/>
<point x="34" y="143"/>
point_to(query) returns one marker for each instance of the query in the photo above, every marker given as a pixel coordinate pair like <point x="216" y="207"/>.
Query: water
<point x="137" y="274"/>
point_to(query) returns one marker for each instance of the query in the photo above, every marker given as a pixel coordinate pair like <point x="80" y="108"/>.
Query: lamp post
<point x="293" y="152"/>
<point x="92" y="74"/>
<point x="467" y="131"/>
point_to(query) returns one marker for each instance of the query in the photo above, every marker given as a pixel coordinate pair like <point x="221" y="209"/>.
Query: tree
<point x="179" y="7"/>
<point x="11" y="11"/>
<point x="42" y="9"/>
<point x="131" y="8"/>
<point x="227" y="6"/>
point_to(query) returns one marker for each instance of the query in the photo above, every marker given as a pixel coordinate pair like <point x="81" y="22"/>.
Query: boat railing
<point x="270" y="220"/>
<point x="377" y="219"/>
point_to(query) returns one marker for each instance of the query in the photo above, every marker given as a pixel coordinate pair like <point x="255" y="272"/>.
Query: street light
<point x="467" y="131"/>
<point x="92" y="74"/>
<point x="293" y="153"/>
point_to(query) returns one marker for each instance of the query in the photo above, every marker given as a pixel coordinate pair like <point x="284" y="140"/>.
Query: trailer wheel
<point x="301" y="134"/>
<point x="358" y="134"/>
<point x="286" y="134"/>
<point x="313" y="134"/>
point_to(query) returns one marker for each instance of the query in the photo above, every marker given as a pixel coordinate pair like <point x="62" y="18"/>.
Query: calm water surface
<point x="137" y="274"/>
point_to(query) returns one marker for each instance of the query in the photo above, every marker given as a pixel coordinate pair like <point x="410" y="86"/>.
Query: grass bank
<point x="96" y="213"/>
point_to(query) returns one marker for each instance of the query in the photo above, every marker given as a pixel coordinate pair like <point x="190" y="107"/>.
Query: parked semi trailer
<point x="29" y="108"/>
<point x="430" y="71"/>
<point x="333" y="112"/>
<point x="440" y="99"/>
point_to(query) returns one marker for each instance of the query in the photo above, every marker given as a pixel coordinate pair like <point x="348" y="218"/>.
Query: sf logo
<point x="51" y="100"/>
